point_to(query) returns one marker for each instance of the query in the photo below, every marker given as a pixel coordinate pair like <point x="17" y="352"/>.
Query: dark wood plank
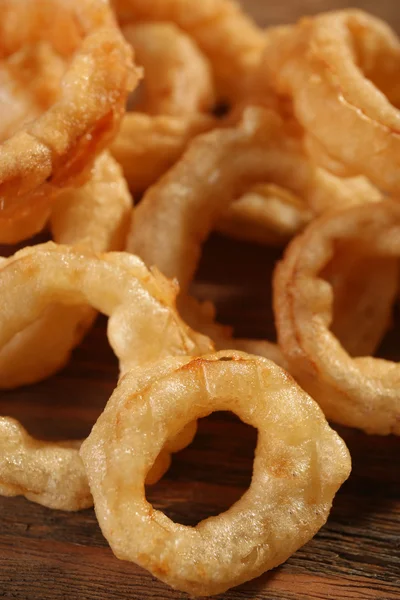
<point x="288" y="11"/>
<point x="53" y="555"/>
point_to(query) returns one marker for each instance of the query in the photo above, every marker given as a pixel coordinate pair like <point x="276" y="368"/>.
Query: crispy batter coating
<point x="55" y="148"/>
<point x="333" y="296"/>
<point x="179" y="212"/>
<point x="342" y="70"/>
<point x="177" y="77"/>
<point x="97" y="216"/>
<point x="147" y="146"/>
<point x="224" y="33"/>
<point x="170" y="106"/>
<point x="299" y="465"/>
<point x="265" y="214"/>
<point x="50" y="473"/>
<point x="143" y="327"/>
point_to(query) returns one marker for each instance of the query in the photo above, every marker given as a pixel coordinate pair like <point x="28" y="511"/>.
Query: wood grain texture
<point x="50" y="555"/>
<point x="275" y="12"/>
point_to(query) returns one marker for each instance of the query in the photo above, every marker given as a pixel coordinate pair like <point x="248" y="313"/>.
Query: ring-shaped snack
<point x="54" y="149"/>
<point x="177" y="77"/>
<point x="333" y="297"/>
<point x="97" y="216"/>
<point x="299" y="465"/>
<point x="179" y="212"/>
<point x="169" y="108"/>
<point x="341" y="69"/>
<point x="228" y="38"/>
<point x="143" y="327"/>
<point x="270" y="214"/>
<point x="30" y="84"/>
<point x="265" y="214"/>
<point x="147" y="146"/>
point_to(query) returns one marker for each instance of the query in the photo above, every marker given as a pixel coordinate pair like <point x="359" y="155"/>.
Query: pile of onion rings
<point x="284" y="136"/>
<point x="52" y="474"/>
<point x="49" y="146"/>
<point x="334" y="292"/>
<point x="345" y="65"/>
<point x="289" y="496"/>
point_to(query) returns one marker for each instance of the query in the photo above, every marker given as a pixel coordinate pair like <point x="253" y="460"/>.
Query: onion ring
<point x="266" y="214"/>
<point x="178" y="213"/>
<point x="26" y="221"/>
<point x="147" y="146"/>
<point x="36" y="469"/>
<point x="56" y="148"/>
<point x="96" y="215"/>
<point x="177" y="77"/>
<point x="176" y="88"/>
<point x="299" y="465"/>
<point x="30" y="84"/>
<point x="108" y="282"/>
<point x="139" y="332"/>
<point x="228" y="38"/>
<point x="213" y="172"/>
<point x="342" y="71"/>
<point x="269" y="214"/>
<point x="320" y="283"/>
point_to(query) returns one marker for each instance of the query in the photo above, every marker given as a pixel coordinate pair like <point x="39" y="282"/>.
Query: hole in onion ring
<point x="375" y="64"/>
<point x="72" y="400"/>
<point x="363" y="290"/>
<point x="7" y="250"/>
<point x="211" y="474"/>
<point x="388" y="348"/>
<point x="221" y="110"/>
<point x="242" y="298"/>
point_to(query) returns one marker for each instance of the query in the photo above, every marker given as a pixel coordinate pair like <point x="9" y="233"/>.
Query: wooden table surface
<point x="50" y="555"/>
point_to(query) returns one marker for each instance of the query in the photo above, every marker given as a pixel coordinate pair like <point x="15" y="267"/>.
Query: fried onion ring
<point x="27" y="221"/>
<point x="139" y="332"/>
<point x="266" y="214"/>
<point x="49" y="473"/>
<point x="342" y="71"/>
<point x="178" y="213"/>
<point x="177" y="77"/>
<point x="147" y="146"/>
<point x="333" y="295"/>
<point x="177" y="87"/>
<point x="299" y="465"/>
<point x="30" y="84"/>
<point x="96" y="215"/>
<point x="54" y="149"/>
<point x="228" y="38"/>
<point x="272" y="215"/>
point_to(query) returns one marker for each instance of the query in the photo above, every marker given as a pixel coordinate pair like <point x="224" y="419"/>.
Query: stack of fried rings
<point x="60" y="144"/>
<point x="272" y="167"/>
<point x="112" y="283"/>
